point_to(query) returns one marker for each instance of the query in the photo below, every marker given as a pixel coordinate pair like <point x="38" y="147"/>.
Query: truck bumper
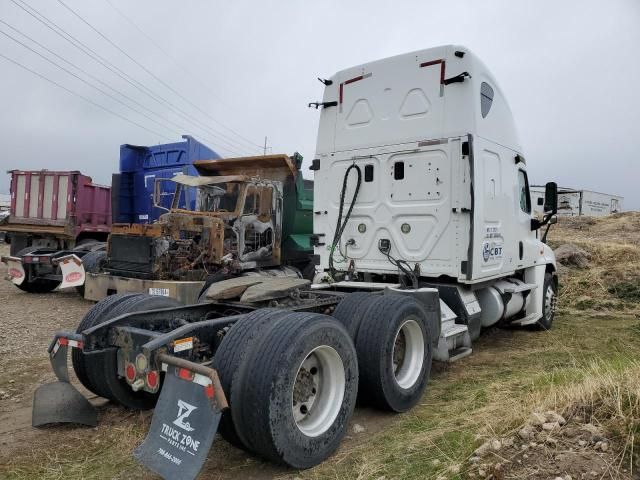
<point x="100" y="285"/>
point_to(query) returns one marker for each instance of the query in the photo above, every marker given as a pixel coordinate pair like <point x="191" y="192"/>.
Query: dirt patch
<point x="549" y="447"/>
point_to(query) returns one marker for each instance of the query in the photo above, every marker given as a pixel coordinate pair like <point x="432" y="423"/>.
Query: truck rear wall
<point x="139" y="168"/>
<point x="65" y="200"/>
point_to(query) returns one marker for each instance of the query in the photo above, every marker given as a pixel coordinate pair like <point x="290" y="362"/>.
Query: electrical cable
<point x="117" y="71"/>
<point x="183" y="67"/>
<point x="83" y="97"/>
<point x="340" y="225"/>
<point x="152" y="112"/>
<point x="86" y="82"/>
<point x="149" y="72"/>
<point x="403" y="266"/>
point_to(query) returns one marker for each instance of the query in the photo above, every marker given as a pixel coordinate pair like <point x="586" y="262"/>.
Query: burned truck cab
<point x="237" y="227"/>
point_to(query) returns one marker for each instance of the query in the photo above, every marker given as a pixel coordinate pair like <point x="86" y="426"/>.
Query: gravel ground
<point x="27" y="325"/>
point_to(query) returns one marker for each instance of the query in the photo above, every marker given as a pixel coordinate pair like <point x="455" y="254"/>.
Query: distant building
<point x="573" y="202"/>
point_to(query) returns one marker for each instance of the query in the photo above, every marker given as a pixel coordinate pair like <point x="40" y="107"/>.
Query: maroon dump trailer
<point x="56" y="219"/>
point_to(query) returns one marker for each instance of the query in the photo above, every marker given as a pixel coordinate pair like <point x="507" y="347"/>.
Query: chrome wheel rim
<point x="408" y="354"/>
<point x="550" y="301"/>
<point x="318" y="391"/>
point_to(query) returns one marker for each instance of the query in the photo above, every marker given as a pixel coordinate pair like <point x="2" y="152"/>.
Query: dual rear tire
<point x="394" y="349"/>
<point x="98" y="372"/>
<point x="291" y="380"/>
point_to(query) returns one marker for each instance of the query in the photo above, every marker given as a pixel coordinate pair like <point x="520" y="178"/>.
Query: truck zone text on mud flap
<point x="252" y="216"/>
<point x="423" y="236"/>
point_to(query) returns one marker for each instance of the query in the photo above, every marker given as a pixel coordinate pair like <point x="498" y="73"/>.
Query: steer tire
<point x="91" y="263"/>
<point x="263" y="393"/>
<point x="548" y="305"/>
<point x="379" y="330"/>
<point x="103" y="370"/>
<point x="351" y="310"/>
<point x="95" y="315"/>
<point x="232" y="350"/>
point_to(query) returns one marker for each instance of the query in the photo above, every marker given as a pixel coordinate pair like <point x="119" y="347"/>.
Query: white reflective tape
<point x="56" y="347"/>
<point x="201" y="380"/>
<point x="74" y="343"/>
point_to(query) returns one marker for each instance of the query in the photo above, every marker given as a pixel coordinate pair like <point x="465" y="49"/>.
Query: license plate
<point x="159" y="292"/>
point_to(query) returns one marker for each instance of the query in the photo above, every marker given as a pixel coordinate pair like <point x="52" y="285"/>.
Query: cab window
<point x="523" y="189"/>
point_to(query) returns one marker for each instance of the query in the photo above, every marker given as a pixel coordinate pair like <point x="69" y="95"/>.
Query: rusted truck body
<point x="252" y="217"/>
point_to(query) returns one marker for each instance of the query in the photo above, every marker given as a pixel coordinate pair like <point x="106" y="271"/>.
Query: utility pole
<point x="265" y="146"/>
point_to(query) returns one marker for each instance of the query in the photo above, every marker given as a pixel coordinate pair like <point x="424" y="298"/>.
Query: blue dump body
<point x="132" y="188"/>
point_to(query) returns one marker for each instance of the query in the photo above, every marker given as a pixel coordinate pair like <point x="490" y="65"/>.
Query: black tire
<point x="92" y="263"/>
<point x="94" y="316"/>
<point x="549" y="296"/>
<point x="102" y="368"/>
<point x="351" y="310"/>
<point x="39" y="285"/>
<point x="379" y="330"/>
<point x="86" y="244"/>
<point x="264" y="389"/>
<point x="232" y="350"/>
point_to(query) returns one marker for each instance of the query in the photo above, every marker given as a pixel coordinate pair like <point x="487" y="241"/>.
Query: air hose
<point x="341" y="225"/>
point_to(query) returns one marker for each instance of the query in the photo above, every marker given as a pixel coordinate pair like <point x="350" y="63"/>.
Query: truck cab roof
<point x="438" y="92"/>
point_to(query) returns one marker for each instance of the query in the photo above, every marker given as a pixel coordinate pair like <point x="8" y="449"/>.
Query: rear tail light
<point x="153" y="379"/>
<point x="130" y="372"/>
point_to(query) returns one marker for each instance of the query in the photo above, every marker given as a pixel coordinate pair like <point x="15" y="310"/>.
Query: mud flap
<point x="184" y="425"/>
<point x="73" y="274"/>
<point x="15" y="272"/>
<point x="60" y="402"/>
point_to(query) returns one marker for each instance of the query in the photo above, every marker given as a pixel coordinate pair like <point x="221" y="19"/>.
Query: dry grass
<point x="511" y="374"/>
<point x="587" y="366"/>
<point x="612" y="281"/>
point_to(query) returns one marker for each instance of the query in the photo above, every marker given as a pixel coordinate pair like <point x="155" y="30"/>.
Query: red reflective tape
<point x="185" y="374"/>
<point x="354" y="79"/>
<point x="63" y="341"/>
<point x="436" y="62"/>
<point x="209" y="391"/>
<point x="432" y="62"/>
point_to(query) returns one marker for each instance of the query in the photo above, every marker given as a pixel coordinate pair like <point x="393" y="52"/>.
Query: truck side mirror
<point x="551" y="198"/>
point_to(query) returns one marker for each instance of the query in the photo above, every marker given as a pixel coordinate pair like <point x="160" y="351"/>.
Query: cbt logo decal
<point x="491" y="251"/>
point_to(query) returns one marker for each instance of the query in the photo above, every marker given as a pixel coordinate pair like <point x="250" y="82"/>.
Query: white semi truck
<point x="423" y="236"/>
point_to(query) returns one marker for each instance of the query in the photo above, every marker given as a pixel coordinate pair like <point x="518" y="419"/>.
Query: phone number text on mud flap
<point x="169" y="457"/>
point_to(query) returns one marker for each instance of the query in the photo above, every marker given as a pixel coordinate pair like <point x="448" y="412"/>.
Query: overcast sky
<point x="241" y="71"/>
